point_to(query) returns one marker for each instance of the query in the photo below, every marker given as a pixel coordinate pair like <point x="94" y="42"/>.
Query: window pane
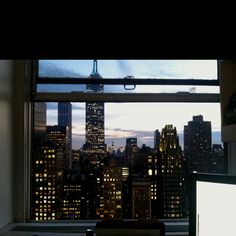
<point x="120" y="160"/>
<point x="175" y="69"/>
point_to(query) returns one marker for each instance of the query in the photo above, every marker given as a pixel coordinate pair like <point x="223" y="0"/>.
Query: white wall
<point x="12" y="141"/>
<point x="6" y="81"/>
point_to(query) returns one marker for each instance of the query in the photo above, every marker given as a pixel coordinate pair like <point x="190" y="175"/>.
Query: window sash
<point x="126" y="97"/>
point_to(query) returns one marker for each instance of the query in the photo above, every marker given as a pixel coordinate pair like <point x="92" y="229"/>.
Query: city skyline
<point x="134" y="127"/>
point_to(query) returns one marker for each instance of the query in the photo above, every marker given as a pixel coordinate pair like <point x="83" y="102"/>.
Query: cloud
<point x="124" y="67"/>
<point x="125" y="133"/>
<point x="78" y="106"/>
<point x="118" y="137"/>
<point x="56" y="69"/>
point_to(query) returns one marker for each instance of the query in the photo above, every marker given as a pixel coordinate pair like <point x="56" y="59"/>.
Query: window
<point x="127" y="132"/>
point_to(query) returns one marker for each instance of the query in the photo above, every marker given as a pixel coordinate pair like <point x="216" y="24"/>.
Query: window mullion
<point x="122" y="81"/>
<point x="126" y="97"/>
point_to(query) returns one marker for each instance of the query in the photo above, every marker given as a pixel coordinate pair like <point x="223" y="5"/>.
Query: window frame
<point x="110" y="97"/>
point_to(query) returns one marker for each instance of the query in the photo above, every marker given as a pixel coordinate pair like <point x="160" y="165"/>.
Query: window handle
<point x="126" y="79"/>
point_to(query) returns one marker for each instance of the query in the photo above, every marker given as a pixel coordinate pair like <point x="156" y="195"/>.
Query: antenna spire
<point x="95" y="67"/>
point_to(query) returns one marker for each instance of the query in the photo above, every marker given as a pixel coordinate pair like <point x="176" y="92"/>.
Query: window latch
<point x="127" y="82"/>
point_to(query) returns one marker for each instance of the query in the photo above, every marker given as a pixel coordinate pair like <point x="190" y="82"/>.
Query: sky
<point x="123" y="120"/>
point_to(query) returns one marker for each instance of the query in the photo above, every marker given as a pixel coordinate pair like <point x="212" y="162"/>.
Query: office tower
<point x="72" y="195"/>
<point x="65" y="119"/>
<point x="47" y="182"/>
<point x="131" y="150"/>
<point x="170" y="174"/>
<point x="112" y="192"/>
<point x="197" y="144"/>
<point x="141" y="198"/>
<point x="39" y="123"/>
<point x="91" y="187"/>
<point x="94" y="137"/>
<point x="94" y="150"/>
<point x="59" y="137"/>
<point x="39" y="137"/>
<point x="152" y="167"/>
<point x="126" y="193"/>
<point x="156" y="139"/>
<point x="218" y="162"/>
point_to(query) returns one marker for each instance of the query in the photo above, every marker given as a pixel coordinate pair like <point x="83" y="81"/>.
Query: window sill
<point x="65" y="228"/>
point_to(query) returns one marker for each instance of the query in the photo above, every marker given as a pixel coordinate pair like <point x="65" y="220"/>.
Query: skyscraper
<point x="47" y="185"/>
<point x="141" y="198"/>
<point x="131" y="150"/>
<point x="156" y="139"/>
<point x="218" y="162"/>
<point x="59" y="136"/>
<point x="171" y="174"/>
<point x="113" y="192"/>
<point x="39" y="123"/>
<point x="197" y="144"/>
<point x="94" y="137"/>
<point x="94" y="149"/>
<point x="65" y="119"/>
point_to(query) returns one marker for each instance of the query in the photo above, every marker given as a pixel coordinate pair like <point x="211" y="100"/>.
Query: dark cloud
<point x="50" y="69"/>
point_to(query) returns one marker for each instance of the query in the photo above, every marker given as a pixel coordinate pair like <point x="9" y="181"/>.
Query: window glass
<point x="173" y="69"/>
<point x="89" y="158"/>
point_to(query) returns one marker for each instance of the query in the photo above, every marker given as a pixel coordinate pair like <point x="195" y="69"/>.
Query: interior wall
<point x="13" y="185"/>
<point x="6" y="82"/>
<point x="20" y="131"/>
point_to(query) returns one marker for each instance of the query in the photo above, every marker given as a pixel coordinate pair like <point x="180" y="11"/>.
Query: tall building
<point x="197" y="144"/>
<point x="141" y="198"/>
<point x="152" y="164"/>
<point x="72" y="195"/>
<point x="39" y="123"/>
<point x="171" y="174"/>
<point x="218" y="162"/>
<point x="156" y="139"/>
<point x="94" y="150"/>
<point x="59" y="137"/>
<point x="131" y="150"/>
<point x="47" y="182"/>
<point x="113" y="192"/>
<point x="94" y="137"/>
<point x="65" y="119"/>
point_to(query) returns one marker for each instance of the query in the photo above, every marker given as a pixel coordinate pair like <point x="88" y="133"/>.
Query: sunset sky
<point x="123" y="120"/>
